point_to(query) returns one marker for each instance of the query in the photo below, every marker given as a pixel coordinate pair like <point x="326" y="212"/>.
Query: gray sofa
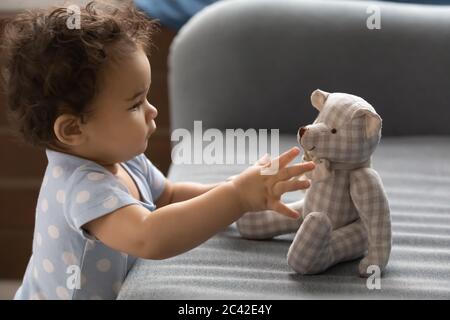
<point x="253" y="64"/>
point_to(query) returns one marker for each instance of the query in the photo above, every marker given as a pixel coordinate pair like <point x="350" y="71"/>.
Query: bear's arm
<point x="369" y="198"/>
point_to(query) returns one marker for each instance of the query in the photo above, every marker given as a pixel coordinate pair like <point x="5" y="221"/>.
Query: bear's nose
<point x="301" y="131"/>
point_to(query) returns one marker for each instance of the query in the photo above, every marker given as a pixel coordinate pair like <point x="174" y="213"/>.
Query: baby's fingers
<point x="284" y="210"/>
<point x="286" y="157"/>
<point x="264" y="160"/>
<point x="291" y="185"/>
<point x="295" y="170"/>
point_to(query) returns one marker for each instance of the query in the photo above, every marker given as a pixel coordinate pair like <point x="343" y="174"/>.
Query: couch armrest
<point x="241" y="63"/>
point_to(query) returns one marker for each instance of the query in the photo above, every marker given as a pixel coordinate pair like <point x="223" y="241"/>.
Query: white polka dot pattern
<point x="83" y="196"/>
<point x="103" y="265"/>
<point x="75" y="191"/>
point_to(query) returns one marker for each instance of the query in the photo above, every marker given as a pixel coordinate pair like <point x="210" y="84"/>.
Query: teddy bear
<point x="345" y="213"/>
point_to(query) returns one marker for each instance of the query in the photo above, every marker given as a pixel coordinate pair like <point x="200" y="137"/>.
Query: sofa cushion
<point x="253" y="64"/>
<point x="416" y="175"/>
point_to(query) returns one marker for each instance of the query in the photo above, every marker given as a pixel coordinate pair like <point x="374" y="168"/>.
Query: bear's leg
<point x="267" y="224"/>
<point x="369" y="198"/>
<point x="349" y="242"/>
<point x="379" y="247"/>
<point x="310" y="252"/>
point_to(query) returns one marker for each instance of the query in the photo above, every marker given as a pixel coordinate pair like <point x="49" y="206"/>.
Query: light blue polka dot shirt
<point x="67" y="262"/>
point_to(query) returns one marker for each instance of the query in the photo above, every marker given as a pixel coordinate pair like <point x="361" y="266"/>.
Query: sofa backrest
<point x="254" y="63"/>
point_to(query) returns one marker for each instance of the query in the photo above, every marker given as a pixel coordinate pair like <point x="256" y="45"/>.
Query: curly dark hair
<point x="48" y="68"/>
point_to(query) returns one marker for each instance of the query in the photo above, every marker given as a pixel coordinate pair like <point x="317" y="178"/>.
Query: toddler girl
<point x="81" y="94"/>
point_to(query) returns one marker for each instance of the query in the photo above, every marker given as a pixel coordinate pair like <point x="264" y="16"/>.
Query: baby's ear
<point x="373" y="121"/>
<point x="67" y="129"/>
<point x="318" y="98"/>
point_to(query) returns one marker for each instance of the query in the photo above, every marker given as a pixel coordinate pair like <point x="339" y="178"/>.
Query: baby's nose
<point x="301" y="131"/>
<point x="153" y="112"/>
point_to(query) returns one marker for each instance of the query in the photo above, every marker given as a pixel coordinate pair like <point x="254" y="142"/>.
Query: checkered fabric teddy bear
<point x="345" y="213"/>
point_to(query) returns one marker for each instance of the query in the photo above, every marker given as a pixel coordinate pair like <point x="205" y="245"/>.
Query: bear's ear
<point x="318" y="98"/>
<point x="373" y="121"/>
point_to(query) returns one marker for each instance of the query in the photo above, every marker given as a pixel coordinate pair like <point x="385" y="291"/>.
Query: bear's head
<point x="347" y="129"/>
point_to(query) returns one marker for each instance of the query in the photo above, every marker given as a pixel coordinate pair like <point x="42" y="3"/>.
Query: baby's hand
<point x="261" y="192"/>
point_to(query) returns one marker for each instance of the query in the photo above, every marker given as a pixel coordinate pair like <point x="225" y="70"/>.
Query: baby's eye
<point x="136" y="106"/>
<point x="333" y="131"/>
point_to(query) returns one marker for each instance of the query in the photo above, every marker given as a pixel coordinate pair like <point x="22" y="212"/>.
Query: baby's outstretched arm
<point x="181" y="226"/>
<point x="181" y="191"/>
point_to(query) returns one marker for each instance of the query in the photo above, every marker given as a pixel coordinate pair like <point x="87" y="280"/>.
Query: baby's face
<point x="122" y="119"/>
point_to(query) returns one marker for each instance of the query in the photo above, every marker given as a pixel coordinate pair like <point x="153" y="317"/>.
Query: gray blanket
<point x="416" y="174"/>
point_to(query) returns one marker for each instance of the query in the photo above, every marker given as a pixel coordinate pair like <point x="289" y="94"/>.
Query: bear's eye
<point x="333" y="131"/>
